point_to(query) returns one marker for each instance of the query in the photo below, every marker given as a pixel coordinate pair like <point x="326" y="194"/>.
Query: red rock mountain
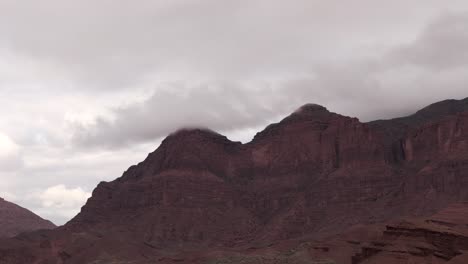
<point x="15" y="220"/>
<point x="313" y="188"/>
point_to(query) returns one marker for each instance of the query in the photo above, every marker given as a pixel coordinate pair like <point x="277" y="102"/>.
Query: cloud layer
<point x="88" y="88"/>
<point x="435" y="61"/>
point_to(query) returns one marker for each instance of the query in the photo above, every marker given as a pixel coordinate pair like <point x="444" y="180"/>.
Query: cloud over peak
<point x="436" y="61"/>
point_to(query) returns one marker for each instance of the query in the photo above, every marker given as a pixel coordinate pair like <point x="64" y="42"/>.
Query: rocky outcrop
<point x="15" y="220"/>
<point x="310" y="176"/>
<point x="438" y="239"/>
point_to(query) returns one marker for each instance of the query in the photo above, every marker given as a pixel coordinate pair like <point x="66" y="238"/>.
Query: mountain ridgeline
<point x="294" y="194"/>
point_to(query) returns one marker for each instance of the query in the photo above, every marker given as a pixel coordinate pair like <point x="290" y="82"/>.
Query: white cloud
<point x="7" y="146"/>
<point x="10" y="158"/>
<point x="8" y="196"/>
<point x="63" y="200"/>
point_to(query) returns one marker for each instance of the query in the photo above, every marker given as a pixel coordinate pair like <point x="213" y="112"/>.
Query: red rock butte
<point x="317" y="187"/>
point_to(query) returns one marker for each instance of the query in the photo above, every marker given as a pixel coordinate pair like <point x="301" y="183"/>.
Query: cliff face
<point x="312" y="175"/>
<point x="279" y="186"/>
<point x="15" y="220"/>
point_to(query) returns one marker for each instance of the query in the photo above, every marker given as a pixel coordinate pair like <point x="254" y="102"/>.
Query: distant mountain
<point x="398" y="126"/>
<point x="15" y="220"/>
<point x="317" y="187"/>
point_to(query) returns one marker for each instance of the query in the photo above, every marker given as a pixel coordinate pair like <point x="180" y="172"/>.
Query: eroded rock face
<point x="442" y="238"/>
<point x="15" y="220"/>
<point x="312" y="175"/>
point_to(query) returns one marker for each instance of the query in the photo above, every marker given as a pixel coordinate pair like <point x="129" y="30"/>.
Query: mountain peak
<point x="197" y="131"/>
<point x="196" y="135"/>
<point x="308" y="112"/>
<point x="309" y="108"/>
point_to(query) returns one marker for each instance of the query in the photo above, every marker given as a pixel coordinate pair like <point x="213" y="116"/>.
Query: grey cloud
<point x="356" y="88"/>
<point x="117" y="44"/>
<point x="442" y="45"/>
<point x="215" y="105"/>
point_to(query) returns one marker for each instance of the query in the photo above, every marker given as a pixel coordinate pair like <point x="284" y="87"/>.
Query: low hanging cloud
<point x="432" y="67"/>
<point x="222" y="107"/>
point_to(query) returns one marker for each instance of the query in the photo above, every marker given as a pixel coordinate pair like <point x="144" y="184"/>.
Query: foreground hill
<point x="282" y="198"/>
<point x="15" y="220"/>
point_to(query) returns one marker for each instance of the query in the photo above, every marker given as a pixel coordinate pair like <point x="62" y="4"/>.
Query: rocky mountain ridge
<point x="201" y="198"/>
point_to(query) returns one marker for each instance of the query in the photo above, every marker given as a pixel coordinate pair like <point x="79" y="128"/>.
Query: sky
<point x="88" y="88"/>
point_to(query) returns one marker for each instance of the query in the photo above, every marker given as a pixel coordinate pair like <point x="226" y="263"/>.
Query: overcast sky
<point x="88" y="88"/>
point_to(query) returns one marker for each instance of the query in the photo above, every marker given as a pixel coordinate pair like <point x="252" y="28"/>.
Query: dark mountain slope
<point x="431" y="113"/>
<point x="15" y="220"/>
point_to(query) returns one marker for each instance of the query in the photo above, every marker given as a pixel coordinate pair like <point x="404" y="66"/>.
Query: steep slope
<point x="15" y="220"/>
<point x="201" y="197"/>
